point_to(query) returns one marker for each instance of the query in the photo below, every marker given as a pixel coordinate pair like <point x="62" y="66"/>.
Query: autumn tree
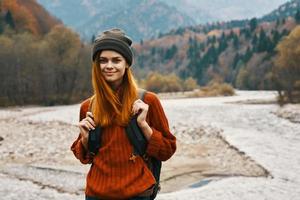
<point x="190" y="84"/>
<point x="242" y="79"/>
<point x="153" y="82"/>
<point x="63" y="49"/>
<point x="22" y="18"/>
<point x="40" y="69"/>
<point x="286" y="73"/>
<point x="157" y="82"/>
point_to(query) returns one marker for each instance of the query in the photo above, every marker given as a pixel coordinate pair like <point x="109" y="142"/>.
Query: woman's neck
<point x="116" y="85"/>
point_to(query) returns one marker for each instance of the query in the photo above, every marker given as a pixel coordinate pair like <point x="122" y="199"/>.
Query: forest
<point x="43" y="62"/>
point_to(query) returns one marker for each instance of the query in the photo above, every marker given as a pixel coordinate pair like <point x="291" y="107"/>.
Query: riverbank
<point x="257" y="130"/>
<point x="210" y="148"/>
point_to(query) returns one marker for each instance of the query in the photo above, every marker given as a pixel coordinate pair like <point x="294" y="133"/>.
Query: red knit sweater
<point x="113" y="175"/>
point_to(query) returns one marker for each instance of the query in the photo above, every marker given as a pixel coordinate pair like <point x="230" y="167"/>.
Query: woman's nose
<point x="109" y="64"/>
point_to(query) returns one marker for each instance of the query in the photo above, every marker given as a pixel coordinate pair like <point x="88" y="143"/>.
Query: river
<point x="248" y="122"/>
<point x="271" y="141"/>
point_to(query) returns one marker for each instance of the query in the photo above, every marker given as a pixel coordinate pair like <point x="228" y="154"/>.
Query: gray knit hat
<point x="114" y="39"/>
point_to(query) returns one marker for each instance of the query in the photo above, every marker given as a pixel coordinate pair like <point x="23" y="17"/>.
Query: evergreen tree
<point x="93" y="38"/>
<point x="277" y="22"/>
<point x="214" y="40"/>
<point x="284" y="32"/>
<point x="262" y="42"/>
<point x="212" y="55"/>
<point x="254" y="42"/>
<point x="171" y="52"/>
<point x="297" y="17"/>
<point x="236" y="42"/>
<point x="190" y="41"/>
<point x="1" y="24"/>
<point x="222" y="45"/>
<point x="235" y="60"/>
<point x="153" y="51"/>
<point x="9" y="19"/>
<point x="276" y="37"/>
<point x="253" y="24"/>
<point x="193" y="49"/>
<point x="247" y="33"/>
<point x="247" y="55"/>
<point x="231" y="34"/>
<point x="223" y="37"/>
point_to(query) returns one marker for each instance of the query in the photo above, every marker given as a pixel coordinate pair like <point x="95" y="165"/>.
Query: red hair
<point x="107" y="106"/>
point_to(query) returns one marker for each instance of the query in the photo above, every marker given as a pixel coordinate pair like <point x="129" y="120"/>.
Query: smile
<point x="109" y="73"/>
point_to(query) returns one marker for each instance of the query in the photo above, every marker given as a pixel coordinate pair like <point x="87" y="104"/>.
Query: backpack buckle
<point x="132" y="157"/>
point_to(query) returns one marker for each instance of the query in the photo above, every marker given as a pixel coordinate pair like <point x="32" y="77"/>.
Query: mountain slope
<point x="237" y="52"/>
<point x="26" y="16"/>
<point x="223" y="10"/>
<point x="286" y="10"/>
<point x="142" y="19"/>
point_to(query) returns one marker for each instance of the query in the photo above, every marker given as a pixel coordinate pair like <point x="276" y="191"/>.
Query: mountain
<point x="26" y="16"/>
<point x="223" y="10"/>
<point x="240" y="52"/>
<point x="76" y="12"/>
<point x="286" y="10"/>
<point x="142" y="19"/>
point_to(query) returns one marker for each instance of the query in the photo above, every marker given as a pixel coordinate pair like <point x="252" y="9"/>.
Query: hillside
<point x="141" y="19"/>
<point x="286" y="10"/>
<point x="203" y="11"/>
<point x="239" y="52"/>
<point x="25" y="16"/>
<point x="41" y="60"/>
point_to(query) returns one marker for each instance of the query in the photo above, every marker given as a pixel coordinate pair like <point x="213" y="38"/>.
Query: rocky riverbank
<point x="36" y="161"/>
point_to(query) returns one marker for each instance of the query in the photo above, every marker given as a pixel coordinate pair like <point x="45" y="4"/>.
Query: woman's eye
<point x="116" y="61"/>
<point x="102" y="61"/>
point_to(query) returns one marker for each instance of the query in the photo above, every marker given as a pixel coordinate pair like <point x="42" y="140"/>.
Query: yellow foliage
<point x="286" y="73"/>
<point x="158" y="83"/>
<point x="190" y="84"/>
<point x="22" y="16"/>
<point x="214" y="89"/>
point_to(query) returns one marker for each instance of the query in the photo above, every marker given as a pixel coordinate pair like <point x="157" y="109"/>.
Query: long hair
<point x="107" y="106"/>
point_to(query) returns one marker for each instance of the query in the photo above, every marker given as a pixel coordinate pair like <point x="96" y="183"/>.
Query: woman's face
<point x="112" y="65"/>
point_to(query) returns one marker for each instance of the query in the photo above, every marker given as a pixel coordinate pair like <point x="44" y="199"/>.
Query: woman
<point x="113" y="173"/>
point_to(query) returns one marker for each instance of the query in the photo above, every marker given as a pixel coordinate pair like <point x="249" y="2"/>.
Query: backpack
<point x="137" y="140"/>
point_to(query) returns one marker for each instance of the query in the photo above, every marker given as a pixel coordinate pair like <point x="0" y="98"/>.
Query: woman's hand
<point x="85" y="126"/>
<point x="141" y="108"/>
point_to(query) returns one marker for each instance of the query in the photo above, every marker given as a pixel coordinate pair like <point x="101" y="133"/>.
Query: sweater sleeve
<point x="162" y="143"/>
<point x="77" y="147"/>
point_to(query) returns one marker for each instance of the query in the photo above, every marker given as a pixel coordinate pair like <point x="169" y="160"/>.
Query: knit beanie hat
<point x="114" y="39"/>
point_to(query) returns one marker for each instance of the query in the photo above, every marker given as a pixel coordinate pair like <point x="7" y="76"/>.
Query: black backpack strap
<point x="94" y="139"/>
<point x="136" y="137"/>
<point x="139" y="143"/>
<point x="134" y="133"/>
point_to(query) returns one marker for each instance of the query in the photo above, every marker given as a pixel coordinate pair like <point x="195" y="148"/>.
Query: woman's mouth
<point x="109" y="73"/>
